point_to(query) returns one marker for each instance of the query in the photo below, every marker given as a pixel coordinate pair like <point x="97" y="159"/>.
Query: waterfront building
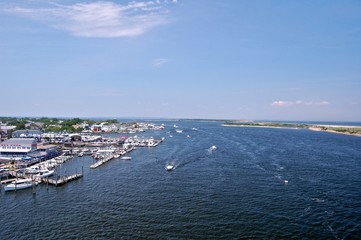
<point x="17" y="148"/>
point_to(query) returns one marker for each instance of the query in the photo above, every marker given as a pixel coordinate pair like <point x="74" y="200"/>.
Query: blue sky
<point x="253" y="60"/>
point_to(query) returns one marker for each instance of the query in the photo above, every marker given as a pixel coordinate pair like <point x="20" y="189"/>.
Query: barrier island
<point x="341" y="129"/>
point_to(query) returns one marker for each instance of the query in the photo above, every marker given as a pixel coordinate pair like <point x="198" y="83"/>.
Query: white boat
<point x="126" y="158"/>
<point x="44" y="173"/>
<point x="212" y="149"/>
<point x="169" y="167"/>
<point x="179" y="131"/>
<point x="32" y="170"/>
<point x="20" y="184"/>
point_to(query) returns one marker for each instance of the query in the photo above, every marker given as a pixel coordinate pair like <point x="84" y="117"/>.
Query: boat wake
<point x="193" y="157"/>
<point x="211" y="149"/>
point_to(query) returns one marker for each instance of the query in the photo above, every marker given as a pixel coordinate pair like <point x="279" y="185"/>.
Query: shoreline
<point x="342" y="129"/>
<point x="256" y="126"/>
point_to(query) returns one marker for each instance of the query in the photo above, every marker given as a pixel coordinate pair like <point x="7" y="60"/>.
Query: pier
<point x="63" y="180"/>
<point x="101" y="162"/>
<point x="6" y="181"/>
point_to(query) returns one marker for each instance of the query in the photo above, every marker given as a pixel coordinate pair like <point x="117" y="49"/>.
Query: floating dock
<point x="101" y="162"/>
<point x="62" y="180"/>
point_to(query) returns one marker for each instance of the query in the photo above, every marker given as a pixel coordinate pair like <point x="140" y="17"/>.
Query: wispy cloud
<point x="159" y="62"/>
<point x="299" y="102"/>
<point x="101" y="19"/>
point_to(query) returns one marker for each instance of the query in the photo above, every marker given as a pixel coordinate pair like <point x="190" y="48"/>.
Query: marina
<point x="101" y="148"/>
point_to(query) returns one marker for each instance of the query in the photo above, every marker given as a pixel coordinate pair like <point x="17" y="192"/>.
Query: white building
<point x="17" y="148"/>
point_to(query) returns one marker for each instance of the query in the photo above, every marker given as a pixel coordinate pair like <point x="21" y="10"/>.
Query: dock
<point x="6" y="181"/>
<point x="101" y="162"/>
<point x="63" y="180"/>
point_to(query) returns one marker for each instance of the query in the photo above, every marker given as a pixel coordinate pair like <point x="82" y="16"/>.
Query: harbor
<point x="50" y="152"/>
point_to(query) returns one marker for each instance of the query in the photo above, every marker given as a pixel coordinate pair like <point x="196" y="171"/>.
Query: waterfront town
<point x="31" y="149"/>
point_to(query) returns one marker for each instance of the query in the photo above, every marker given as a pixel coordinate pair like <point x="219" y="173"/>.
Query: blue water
<point x="237" y="191"/>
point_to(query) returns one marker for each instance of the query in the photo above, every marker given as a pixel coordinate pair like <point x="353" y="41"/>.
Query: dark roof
<point x="27" y="132"/>
<point x="19" y="141"/>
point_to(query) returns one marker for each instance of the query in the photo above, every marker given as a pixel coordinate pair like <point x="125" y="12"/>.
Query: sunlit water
<point x="257" y="184"/>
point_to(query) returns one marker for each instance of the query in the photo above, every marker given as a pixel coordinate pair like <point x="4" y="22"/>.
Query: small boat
<point x="126" y="158"/>
<point x="213" y="148"/>
<point x="20" y="184"/>
<point x="179" y="131"/>
<point x="32" y="170"/>
<point x="169" y="167"/>
<point x="44" y="173"/>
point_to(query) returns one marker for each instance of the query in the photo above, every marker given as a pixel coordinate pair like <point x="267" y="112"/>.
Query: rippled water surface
<point x="259" y="183"/>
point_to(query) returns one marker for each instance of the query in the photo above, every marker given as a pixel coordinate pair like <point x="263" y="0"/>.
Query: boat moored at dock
<point x="20" y="184"/>
<point x="44" y="173"/>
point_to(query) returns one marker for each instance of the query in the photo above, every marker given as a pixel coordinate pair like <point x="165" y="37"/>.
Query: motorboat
<point x="169" y="167"/>
<point x="212" y="149"/>
<point x="44" y="173"/>
<point x="20" y="184"/>
<point x="32" y="170"/>
<point x="126" y="158"/>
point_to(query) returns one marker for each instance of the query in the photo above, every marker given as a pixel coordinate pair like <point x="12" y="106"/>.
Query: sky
<point x="244" y="60"/>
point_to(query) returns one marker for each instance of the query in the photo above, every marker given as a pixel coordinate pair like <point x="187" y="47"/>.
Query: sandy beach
<point x="322" y="127"/>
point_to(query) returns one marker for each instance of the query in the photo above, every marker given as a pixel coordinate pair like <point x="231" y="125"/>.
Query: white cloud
<point x="322" y="103"/>
<point x="159" y="62"/>
<point x="299" y="102"/>
<point x="282" y="103"/>
<point x="102" y="19"/>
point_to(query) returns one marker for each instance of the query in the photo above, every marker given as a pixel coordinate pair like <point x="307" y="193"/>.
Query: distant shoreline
<point x="339" y="129"/>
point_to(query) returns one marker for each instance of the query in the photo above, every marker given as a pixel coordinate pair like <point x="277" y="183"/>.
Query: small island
<point x="341" y="129"/>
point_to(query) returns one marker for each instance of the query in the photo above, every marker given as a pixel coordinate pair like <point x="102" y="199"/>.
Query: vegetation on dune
<point x="347" y="130"/>
<point x="337" y="129"/>
<point x="267" y="124"/>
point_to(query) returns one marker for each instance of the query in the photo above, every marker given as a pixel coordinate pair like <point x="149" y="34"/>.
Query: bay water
<point x="257" y="183"/>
